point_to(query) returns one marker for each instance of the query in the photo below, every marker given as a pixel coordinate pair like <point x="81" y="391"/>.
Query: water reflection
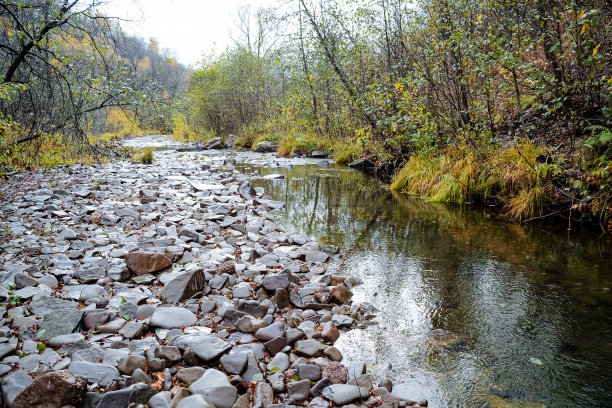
<point x="477" y="311"/>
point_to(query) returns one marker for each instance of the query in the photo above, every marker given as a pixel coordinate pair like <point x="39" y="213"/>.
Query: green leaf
<point x="41" y="347"/>
<point x="275" y="370"/>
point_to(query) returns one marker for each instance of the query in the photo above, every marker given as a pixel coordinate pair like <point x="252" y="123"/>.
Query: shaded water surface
<point x="476" y="311"/>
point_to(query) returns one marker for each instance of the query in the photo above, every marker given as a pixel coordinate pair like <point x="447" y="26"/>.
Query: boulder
<point x="265" y="146"/>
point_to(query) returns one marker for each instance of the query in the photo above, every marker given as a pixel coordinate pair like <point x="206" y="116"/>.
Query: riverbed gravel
<point x="169" y="285"/>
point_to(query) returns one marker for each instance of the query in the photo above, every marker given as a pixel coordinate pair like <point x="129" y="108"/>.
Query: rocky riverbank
<point x="169" y="286"/>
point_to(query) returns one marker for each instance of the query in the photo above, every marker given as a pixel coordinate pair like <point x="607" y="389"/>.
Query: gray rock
<point x="264" y="395"/>
<point x="136" y="394"/>
<point x="341" y="394"/>
<point x="12" y="385"/>
<point x="6" y="349"/>
<point x="190" y="375"/>
<point x="23" y="281"/>
<point x="281" y="361"/>
<point x="310" y="347"/>
<point x="133" y="329"/>
<point x="184" y="286"/>
<point x="128" y="364"/>
<point x="277" y="381"/>
<point x="316" y="257"/>
<point x="101" y="374"/>
<point x="276" y="281"/>
<point x="270" y="332"/>
<point x="64" y="339"/>
<point x="206" y="346"/>
<point x="234" y="363"/>
<point x="309" y="372"/>
<point x="56" y="324"/>
<point x="298" y="390"/>
<point x="215" y="386"/>
<point x="172" y="317"/>
<point x="161" y="400"/>
<point x="195" y="401"/>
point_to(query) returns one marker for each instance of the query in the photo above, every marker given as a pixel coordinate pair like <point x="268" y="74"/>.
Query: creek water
<point x="475" y="311"/>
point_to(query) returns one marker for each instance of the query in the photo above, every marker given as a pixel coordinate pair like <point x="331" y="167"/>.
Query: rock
<point x="128" y="364"/>
<point x="140" y="263"/>
<point x="270" y="332"/>
<point x="275" y="345"/>
<point x="112" y="326"/>
<point x="206" y="346"/>
<point x="184" y="286"/>
<point x="54" y="389"/>
<point x="13" y="384"/>
<point x="264" y="395"/>
<point x="190" y="374"/>
<point x="234" y="363"/>
<point x="276" y="281"/>
<point x="227" y="267"/>
<point x="363" y="165"/>
<point x="333" y="354"/>
<point x="341" y="293"/>
<point x="133" y="329"/>
<point x="309" y="372"/>
<point x="160" y="400"/>
<point x="215" y="386"/>
<point x="132" y="396"/>
<point x="102" y="374"/>
<point x="341" y="394"/>
<point x="215" y="143"/>
<point x="320" y="386"/>
<point x="249" y="324"/>
<point x="280" y="361"/>
<point x="195" y="401"/>
<point x="6" y="349"/>
<point x="298" y="390"/>
<point x="170" y="354"/>
<point x="316" y="257"/>
<point x="265" y="147"/>
<point x="23" y="281"/>
<point x="64" y="339"/>
<point x="318" y="154"/>
<point x="93" y="320"/>
<point x="281" y="298"/>
<point x="330" y="332"/>
<point x="318" y="402"/>
<point x="310" y="347"/>
<point x="172" y="317"/>
<point x="246" y="190"/>
<point x="336" y="372"/>
<point x="55" y="324"/>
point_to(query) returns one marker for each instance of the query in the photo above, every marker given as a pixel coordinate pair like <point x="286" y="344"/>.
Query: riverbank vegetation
<point x="71" y="80"/>
<point x="497" y="102"/>
<point x="460" y="101"/>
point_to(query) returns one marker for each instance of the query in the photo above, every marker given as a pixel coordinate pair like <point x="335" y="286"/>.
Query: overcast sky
<point x="189" y="27"/>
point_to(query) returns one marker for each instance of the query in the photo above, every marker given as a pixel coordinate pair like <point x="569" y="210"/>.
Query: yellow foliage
<point x="182" y="130"/>
<point x="122" y="123"/>
<point x="459" y="176"/>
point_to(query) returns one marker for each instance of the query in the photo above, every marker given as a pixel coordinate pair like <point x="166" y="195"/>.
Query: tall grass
<point x="512" y="176"/>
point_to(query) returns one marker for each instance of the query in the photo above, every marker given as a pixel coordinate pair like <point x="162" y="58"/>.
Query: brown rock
<point x="95" y="217"/>
<point x="23" y="281"/>
<point x="330" y="332"/>
<point x="93" y="320"/>
<point x="140" y="263"/>
<point x="336" y="280"/>
<point x="336" y="372"/>
<point x="281" y="298"/>
<point x="53" y="390"/>
<point x="226" y="267"/>
<point x="341" y="293"/>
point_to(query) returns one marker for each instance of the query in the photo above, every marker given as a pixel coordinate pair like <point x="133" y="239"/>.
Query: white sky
<point x="188" y="27"/>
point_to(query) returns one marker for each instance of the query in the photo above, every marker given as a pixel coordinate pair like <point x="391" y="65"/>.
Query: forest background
<point x="492" y="101"/>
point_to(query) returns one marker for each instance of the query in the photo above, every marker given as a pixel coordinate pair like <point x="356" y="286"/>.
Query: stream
<point x="475" y="311"/>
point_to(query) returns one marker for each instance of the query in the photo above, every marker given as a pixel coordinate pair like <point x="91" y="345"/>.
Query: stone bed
<point x="169" y="286"/>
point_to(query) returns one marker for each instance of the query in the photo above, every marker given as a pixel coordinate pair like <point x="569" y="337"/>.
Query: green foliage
<point x="144" y="157"/>
<point x="40" y="347"/>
